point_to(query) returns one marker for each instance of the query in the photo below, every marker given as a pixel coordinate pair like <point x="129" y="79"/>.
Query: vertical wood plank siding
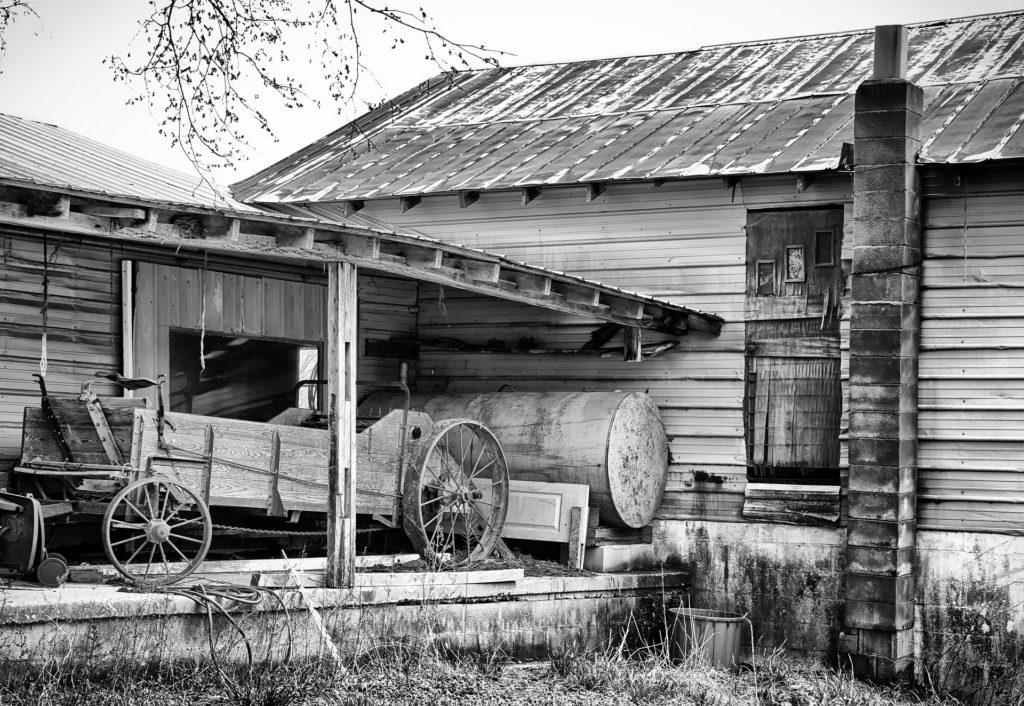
<point x="84" y="315"/>
<point x="83" y="322"/>
<point x="971" y="399"/>
<point x="684" y="242"/>
<point x="170" y="297"/>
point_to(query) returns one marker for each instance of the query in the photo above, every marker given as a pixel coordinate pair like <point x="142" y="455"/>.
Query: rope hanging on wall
<point x="202" y="320"/>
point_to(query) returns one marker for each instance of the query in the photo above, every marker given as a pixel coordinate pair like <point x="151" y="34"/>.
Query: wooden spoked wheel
<point x="156" y="531"/>
<point x="456" y="494"/>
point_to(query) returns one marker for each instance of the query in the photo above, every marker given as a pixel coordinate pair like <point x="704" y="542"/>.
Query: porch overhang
<point x="271" y="237"/>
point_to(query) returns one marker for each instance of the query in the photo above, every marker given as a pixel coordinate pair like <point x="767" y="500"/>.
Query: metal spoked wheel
<point x="159" y="527"/>
<point x="456" y="494"/>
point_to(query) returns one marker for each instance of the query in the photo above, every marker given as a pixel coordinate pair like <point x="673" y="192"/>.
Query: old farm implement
<point x="156" y="485"/>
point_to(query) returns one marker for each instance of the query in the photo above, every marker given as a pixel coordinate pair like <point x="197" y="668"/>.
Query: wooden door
<point x="793" y="390"/>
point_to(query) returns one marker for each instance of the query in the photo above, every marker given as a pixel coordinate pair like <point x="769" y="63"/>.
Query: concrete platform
<point x="522" y="617"/>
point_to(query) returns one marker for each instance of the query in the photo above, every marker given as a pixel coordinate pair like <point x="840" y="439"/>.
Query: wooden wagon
<point x="160" y="479"/>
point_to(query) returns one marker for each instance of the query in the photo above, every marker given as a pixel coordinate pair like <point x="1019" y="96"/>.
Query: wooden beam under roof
<point x="293" y="240"/>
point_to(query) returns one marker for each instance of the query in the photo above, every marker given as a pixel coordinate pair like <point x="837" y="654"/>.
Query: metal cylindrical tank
<point x="612" y="441"/>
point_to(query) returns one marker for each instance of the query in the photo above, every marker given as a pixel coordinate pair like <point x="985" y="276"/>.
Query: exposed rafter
<point x="279" y="238"/>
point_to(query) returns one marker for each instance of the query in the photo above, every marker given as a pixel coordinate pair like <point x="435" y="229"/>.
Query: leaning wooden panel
<point x="541" y="511"/>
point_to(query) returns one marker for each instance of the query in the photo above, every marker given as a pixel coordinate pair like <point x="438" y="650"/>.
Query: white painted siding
<point x="683" y="241"/>
<point x="971" y="399"/>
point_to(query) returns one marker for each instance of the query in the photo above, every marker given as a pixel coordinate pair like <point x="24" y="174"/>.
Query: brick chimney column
<point x="884" y="336"/>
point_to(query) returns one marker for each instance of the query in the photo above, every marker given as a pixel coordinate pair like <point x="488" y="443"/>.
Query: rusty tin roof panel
<point x="40" y="154"/>
<point x="760" y="107"/>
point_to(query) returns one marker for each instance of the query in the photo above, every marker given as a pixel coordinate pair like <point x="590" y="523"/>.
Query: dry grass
<point x="400" y="674"/>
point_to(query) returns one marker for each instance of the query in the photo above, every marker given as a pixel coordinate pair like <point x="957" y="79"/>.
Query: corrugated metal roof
<point x="46" y="155"/>
<point x="772" y="106"/>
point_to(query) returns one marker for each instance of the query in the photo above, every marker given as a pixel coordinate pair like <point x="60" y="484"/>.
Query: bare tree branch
<point x="209" y="66"/>
<point x="10" y="10"/>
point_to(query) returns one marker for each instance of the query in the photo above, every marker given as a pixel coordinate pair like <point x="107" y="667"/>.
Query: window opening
<point x="244" y="377"/>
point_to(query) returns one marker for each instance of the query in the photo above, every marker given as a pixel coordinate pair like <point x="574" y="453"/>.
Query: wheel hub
<point x="158" y="531"/>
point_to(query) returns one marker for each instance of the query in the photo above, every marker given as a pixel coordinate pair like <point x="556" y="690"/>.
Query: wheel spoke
<point x="150" y="493"/>
<point x="135" y="553"/>
<point x="136" y="510"/>
<point x="149" y="562"/>
<point x="186" y="522"/>
<point x="476" y="463"/>
<point x="489" y="464"/>
<point x="462" y="448"/>
<point x="141" y="537"/>
<point x="185" y="537"/>
<point x="488" y="486"/>
<point x="121" y="524"/>
<point x="167" y="499"/>
<point x="431" y="502"/>
<point x="175" y="548"/>
<point x="163" y="557"/>
<point x="427" y="466"/>
<point x="484" y="520"/>
<point x="174" y="513"/>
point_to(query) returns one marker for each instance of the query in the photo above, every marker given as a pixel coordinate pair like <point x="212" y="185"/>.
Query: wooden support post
<point x="529" y="194"/>
<point x="341" y="396"/>
<point x="632" y="344"/>
<point x="127" y="323"/>
<point x="468" y="198"/>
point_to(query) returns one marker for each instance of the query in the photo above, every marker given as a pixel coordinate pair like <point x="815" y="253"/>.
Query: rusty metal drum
<point x="612" y="441"/>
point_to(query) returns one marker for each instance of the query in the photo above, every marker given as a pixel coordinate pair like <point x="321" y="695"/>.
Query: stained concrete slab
<point x="525" y="618"/>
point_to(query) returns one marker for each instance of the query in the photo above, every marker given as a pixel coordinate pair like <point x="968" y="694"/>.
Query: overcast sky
<point x="53" y="69"/>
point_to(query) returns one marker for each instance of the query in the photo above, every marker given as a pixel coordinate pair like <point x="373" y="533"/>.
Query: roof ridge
<point x="747" y="43"/>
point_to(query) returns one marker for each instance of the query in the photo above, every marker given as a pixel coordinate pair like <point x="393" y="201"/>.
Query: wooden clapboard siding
<point x="683" y="241"/>
<point x="971" y="397"/>
<point x="83" y="322"/>
<point x="169" y="297"/>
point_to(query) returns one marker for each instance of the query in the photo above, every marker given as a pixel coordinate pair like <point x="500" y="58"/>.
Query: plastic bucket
<point x="713" y="635"/>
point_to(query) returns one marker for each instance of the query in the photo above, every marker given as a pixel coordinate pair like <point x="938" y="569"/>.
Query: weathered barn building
<point x="846" y="455"/>
<point x="111" y="263"/>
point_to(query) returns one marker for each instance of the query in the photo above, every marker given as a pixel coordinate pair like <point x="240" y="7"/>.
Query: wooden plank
<point x="100" y="573"/>
<point x="577" y="536"/>
<point x="542" y="511"/>
<point x="802" y="505"/>
<point x="407" y="579"/>
<point x="145" y="325"/>
<point x="342" y="340"/>
<point x="796" y="347"/>
<point x="79" y="433"/>
<point x="632" y="351"/>
<point x="127" y="322"/>
<point x="599" y="536"/>
<point x="242" y="455"/>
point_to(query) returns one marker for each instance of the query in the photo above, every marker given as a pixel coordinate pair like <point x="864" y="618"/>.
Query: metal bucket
<point x="713" y="635"/>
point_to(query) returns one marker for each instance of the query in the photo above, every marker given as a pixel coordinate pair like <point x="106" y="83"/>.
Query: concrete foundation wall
<point x="788" y="579"/>
<point x="523" y="620"/>
<point x="970" y="604"/>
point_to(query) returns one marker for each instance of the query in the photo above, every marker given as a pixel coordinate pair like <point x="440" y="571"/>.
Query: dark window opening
<point x="824" y="251"/>
<point x="238" y="377"/>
